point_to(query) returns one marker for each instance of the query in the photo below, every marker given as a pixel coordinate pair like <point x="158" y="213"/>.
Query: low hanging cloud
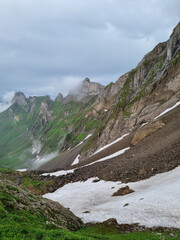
<point x="7" y="101"/>
<point x="45" y="43"/>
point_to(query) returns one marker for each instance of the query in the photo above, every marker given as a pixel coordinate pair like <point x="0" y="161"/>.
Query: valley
<point x="102" y="162"/>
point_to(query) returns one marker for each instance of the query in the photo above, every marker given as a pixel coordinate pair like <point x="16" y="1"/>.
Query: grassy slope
<point x="18" y="224"/>
<point x="67" y="127"/>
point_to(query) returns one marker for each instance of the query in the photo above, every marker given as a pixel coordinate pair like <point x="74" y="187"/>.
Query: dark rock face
<point x="174" y="42"/>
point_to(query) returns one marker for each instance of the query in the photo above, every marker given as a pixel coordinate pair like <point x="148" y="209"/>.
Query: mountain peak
<point x="20" y="98"/>
<point x="86" y="80"/>
<point x="85" y="89"/>
<point x="59" y="97"/>
<point x="174" y="42"/>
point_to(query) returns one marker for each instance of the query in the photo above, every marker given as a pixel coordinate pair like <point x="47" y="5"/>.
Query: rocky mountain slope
<point x="115" y="153"/>
<point x="36" y="126"/>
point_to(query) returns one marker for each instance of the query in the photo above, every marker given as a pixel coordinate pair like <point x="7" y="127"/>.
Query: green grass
<point x="17" y="224"/>
<point x="18" y="126"/>
<point x="108" y="232"/>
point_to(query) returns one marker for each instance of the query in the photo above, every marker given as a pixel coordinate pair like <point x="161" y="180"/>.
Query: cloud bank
<point x="48" y="46"/>
<point x="7" y="101"/>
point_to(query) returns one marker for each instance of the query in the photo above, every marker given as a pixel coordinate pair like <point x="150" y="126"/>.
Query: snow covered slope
<point x="155" y="201"/>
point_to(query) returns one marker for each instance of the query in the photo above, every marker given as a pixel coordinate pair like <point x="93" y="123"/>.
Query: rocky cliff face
<point x="84" y="91"/>
<point x="141" y="94"/>
<point x="108" y="112"/>
<point x="15" y="199"/>
<point x="59" y="97"/>
<point x="20" y="99"/>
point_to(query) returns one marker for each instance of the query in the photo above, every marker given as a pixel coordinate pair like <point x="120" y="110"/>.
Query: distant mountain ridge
<point x="106" y="112"/>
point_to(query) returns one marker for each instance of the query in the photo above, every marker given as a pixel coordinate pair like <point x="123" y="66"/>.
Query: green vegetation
<point x="59" y="125"/>
<point x="109" y="85"/>
<point x="108" y="232"/>
<point x="19" y="220"/>
<point x="176" y="59"/>
<point x="18" y="225"/>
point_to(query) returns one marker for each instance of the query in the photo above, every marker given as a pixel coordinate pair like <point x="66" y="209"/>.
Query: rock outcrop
<point x="146" y="130"/>
<point x="59" y="98"/>
<point x="141" y="94"/>
<point x="20" y="99"/>
<point x="84" y="91"/>
<point x="23" y="199"/>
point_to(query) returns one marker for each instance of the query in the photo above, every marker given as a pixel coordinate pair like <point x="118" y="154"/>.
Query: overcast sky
<point x="48" y="46"/>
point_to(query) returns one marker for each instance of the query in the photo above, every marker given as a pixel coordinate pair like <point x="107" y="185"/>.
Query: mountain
<point x="35" y="129"/>
<point x="109" y="154"/>
<point x="55" y="125"/>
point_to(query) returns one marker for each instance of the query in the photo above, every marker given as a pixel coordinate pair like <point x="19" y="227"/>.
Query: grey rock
<point x="84" y="91"/>
<point x="20" y="99"/>
<point x="59" y="97"/>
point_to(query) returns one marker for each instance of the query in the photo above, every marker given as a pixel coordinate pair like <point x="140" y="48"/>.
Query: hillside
<point x="110" y="155"/>
<point x="36" y="129"/>
<point x="25" y="215"/>
<point x="38" y="125"/>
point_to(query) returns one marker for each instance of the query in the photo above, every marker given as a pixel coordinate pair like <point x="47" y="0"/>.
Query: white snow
<point x="110" y="156"/>
<point x="143" y="124"/>
<point x="106" y="146"/>
<point x="59" y="173"/>
<point x="88" y="136"/>
<point x="64" y="172"/>
<point x="76" y="161"/>
<point x="168" y="109"/>
<point x="22" y="170"/>
<point x="79" y="144"/>
<point x="155" y="201"/>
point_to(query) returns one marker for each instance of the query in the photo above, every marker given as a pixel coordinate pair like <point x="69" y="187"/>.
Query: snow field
<point x="155" y="201"/>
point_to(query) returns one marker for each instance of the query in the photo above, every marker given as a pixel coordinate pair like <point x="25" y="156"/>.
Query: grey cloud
<point x="43" y="43"/>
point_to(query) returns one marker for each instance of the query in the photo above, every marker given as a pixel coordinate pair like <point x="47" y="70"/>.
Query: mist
<point x="6" y="101"/>
<point x="40" y="160"/>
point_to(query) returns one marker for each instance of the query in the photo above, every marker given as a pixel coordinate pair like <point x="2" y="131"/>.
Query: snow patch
<point x="88" y="136"/>
<point x="76" y="161"/>
<point x="110" y="156"/>
<point x="167" y="110"/>
<point x="144" y="124"/>
<point x="21" y="170"/>
<point x="64" y="172"/>
<point x="79" y="144"/>
<point x="36" y="147"/>
<point x="59" y="173"/>
<point x="155" y="201"/>
<point x="106" y="146"/>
